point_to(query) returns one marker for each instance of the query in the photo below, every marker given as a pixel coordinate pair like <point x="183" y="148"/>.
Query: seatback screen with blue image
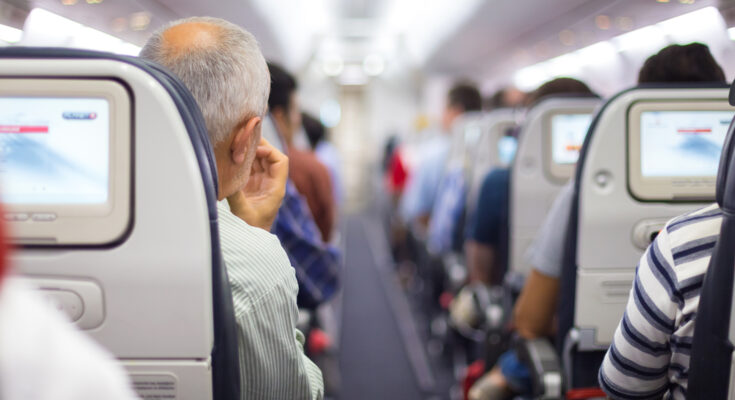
<point x="567" y="136"/>
<point x="54" y="150"/>
<point x="682" y="143"/>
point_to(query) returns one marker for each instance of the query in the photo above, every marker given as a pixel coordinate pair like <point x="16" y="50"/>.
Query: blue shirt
<point x="418" y="198"/>
<point x="317" y="264"/>
<point x="491" y="214"/>
<point x="446" y="217"/>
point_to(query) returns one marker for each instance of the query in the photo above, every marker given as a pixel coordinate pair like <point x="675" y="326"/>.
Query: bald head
<point x="221" y="65"/>
<point x="190" y="36"/>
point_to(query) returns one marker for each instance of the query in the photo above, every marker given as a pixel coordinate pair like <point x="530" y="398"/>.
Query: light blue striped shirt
<point x="264" y="292"/>
<point x="649" y="356"/>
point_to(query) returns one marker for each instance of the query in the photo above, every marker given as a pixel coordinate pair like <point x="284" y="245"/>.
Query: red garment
<point x="3" y="249"/>
<point x="397" y="173"/>
<point x="312" y="180"/>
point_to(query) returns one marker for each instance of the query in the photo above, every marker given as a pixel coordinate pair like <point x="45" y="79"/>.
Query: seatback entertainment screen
<point x="567" y="136"/>
<point x="682" y="143"/>
<point x="54" y="150"/>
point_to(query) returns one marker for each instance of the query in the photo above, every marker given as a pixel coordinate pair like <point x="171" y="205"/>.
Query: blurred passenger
<point x="509" y="97"/>
<point x="535" y="309"/>
<point x="486" y="252"/>
<point x="326" y="152"/>
<point x="222" y="66"/>
<point x="42" y="354"/>
<point x="419" y="195"/>
<point x="316" y="262"/>
<point x="310" y="176"/>
<point x="656" y="337"/>
<point x="486" y="242"/>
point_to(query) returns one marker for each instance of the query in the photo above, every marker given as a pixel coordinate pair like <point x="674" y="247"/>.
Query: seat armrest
<point x="543" y="362"/>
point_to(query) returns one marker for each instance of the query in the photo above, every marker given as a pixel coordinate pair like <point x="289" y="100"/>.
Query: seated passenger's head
<point x="559" y="86"/>
<point x="222" y="66"/>
<point x="676" y="63"/>
<point x="462" y="98"/>
<point x="283" y="103"/>
<point x="314" y="128"/>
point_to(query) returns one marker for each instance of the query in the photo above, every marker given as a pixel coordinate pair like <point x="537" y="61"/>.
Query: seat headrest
<point x="725" y="191"/>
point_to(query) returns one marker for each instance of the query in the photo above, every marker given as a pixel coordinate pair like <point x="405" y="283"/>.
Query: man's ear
<point x="243" y="139"/>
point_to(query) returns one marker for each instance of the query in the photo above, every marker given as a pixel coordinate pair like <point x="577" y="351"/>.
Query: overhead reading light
<point x="9" y="34"/>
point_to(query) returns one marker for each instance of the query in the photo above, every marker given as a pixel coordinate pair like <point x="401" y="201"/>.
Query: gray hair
<point x="228" y="78"/>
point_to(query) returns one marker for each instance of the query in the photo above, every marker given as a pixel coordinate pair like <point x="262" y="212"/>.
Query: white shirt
<point x="44" y="357"/>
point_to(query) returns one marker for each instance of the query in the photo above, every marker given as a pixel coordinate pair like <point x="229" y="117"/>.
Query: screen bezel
<point x="556" y="172"/>
<point x="672" y="188"/>
<point x="82" y="224"/>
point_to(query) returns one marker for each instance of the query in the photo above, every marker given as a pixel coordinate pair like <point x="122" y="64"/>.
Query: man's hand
<point x="258" y="203"/>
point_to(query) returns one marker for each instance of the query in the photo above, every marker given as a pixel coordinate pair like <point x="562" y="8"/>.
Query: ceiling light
<point x="603" y="22"/>
<point x="373" y="65"/>
<point x="94" y="1"/>
<point x="139" y="21"/>
<point x="333" y="65"/>
<point x="567" y="37"/>
<point x="119" y="24"/>
<point x="663" y="1"/>
<point x="68" y="2"/>
<point x="625" y="23"/>
<point x="9" y="34"/>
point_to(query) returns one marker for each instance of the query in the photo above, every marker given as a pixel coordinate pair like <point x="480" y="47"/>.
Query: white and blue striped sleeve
<point x="636" y="365"/>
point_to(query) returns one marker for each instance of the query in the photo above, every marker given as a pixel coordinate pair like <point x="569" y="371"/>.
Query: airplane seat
<point x="445" y="226"/>
<point x="547" y="152"/>
<point x="712" y="358"/>
<point x="495" y="148"/>
<point x="626" y="189"/>
<point x="139" y="268"/>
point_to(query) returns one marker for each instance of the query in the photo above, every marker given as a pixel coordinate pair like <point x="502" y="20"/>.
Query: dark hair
<point x="283" y="85"/>
<point x="465" y="96"/>
<point x="681" y="63"/>
<point x="497" y="100"/>
<point x="314" y="129"/>
<point x="559" y="86"/>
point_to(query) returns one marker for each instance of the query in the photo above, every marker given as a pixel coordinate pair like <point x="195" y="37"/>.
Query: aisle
<point x="380" y="357"/>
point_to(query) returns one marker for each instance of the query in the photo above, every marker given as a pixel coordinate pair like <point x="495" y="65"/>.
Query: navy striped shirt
<point x="649" y="356"/>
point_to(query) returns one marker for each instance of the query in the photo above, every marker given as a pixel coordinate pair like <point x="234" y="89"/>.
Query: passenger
<point x="486" y="250"/>
<point x="326" y="152"/>
<point x="485" y="246"/>
<point x="535" y="309"/>
<point x="224" y="69"/>
<point x="509" y="97"/>
<point x="649" y="356"/>
<point x="418" y="197"/>
<point x="44" y="357"/>
<point x="310" y="176"/>
<point x="316" y="262"/>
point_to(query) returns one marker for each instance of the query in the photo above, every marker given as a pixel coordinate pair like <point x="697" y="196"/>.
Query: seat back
<point x="446" y="216"/>
<point x="711" y="372"/>
<point x="158" y="296"/>
<point x="535" y="176"/>
<point x="620" y="206"/>
<point x="494" y="148"/>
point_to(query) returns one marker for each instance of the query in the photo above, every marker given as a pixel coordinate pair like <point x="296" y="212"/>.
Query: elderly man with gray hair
<point x="222" y="66"/>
